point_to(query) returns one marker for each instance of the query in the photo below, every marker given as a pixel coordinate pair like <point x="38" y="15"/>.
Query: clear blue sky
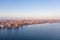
<point x="29" y="8"/>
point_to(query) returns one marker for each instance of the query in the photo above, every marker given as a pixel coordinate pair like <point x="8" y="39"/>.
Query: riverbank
<point x="18" y="23"/>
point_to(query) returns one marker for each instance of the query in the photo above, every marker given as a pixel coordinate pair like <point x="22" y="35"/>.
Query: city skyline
<point x="30" y="8"/>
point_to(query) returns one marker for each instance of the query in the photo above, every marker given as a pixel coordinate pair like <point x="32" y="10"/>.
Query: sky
<point x="30" y="8"/>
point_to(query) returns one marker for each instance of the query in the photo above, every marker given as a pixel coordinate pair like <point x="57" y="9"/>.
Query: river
<point x="32" y="32"/>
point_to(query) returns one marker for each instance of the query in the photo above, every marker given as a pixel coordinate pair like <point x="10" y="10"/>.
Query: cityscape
<point x="29" y="19"/>
<point x="18" y="23"/>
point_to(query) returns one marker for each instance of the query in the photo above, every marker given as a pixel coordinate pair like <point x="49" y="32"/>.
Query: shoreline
<point x="19" y="23"/>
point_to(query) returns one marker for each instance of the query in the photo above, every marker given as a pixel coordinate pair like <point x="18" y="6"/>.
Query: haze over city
<point x="29" y="19"/>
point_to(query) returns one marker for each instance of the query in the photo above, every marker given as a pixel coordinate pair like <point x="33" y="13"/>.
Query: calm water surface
<point x="33" y="32"/>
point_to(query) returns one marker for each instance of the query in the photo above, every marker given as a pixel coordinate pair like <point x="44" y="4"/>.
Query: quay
<point x="18" y="23"/>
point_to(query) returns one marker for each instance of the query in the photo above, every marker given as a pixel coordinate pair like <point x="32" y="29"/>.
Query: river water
<point x="32" y="32"/>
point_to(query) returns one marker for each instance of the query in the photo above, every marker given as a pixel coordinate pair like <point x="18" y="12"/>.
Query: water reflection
<point x="2" y="29"/>
<point x="10" y="28"/>
<point x="41" y="31"/>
